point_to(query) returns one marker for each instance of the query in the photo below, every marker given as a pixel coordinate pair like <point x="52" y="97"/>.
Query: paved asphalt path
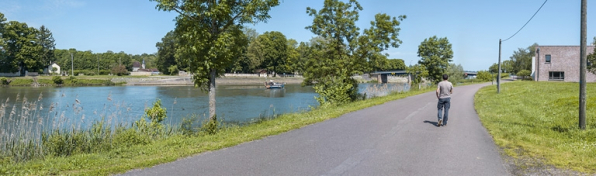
<point x="396" y="138"/>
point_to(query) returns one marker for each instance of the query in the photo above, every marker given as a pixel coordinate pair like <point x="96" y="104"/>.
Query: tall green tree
<point x="417" y="72"/>
<point x="522" y="58"/>
<point x="210" y="34"/>
<point x="303" y="50"/>
<point x="166" y="53"/>
<point x="255" y="55"/>
<point x="377" y="62"/>
<point x="494" y="68"/>
<point x="275" y="51"/>
<point x="47" y="42"/>
<point x="293" y="57"/>
<point x="22" y="48"/>
<point x="395" y="64"/>
<point x="3" y="58"/>
<point x="435" y="53"/>
<point x="345" y="50"/>
<point x="243" y="63"/>
<point x="455" y="72"/>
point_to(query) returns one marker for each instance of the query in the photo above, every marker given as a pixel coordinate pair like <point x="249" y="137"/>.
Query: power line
<point x="527" y="22"/>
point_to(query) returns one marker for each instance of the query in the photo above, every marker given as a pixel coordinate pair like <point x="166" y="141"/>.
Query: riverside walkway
<point x="396" y="138"/>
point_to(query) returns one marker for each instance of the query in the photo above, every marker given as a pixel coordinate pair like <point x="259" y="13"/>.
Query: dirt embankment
<point x="185" y="80"/>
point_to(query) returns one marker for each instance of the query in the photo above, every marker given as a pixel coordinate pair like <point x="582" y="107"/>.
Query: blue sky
<point x="473" y="27"/>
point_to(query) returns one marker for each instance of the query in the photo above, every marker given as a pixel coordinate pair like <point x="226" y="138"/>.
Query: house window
<point x="556" y="76"/>
<point x="547" y="58"/>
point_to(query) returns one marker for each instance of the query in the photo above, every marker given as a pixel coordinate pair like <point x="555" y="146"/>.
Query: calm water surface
<point x="79" y="106"/>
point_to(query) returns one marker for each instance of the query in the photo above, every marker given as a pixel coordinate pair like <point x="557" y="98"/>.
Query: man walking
<point x="444" y="91"/>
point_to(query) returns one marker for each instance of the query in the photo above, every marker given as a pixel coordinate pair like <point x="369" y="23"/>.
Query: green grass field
<point x="540" y="120"/>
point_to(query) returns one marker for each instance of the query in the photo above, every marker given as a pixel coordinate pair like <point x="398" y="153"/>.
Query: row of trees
<point x="270" y="51"/>
<point x="210" y="39"/>
<point x="521" y="60"/>
<point x="34" y="49"/>
<point x="101" y="63"/>
<point x="24" y="46"/>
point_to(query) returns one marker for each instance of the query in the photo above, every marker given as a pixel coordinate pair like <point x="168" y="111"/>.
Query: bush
<point x="336" y="90"/>
<point x="5" y="81"/>
<point x="57" y="80"/>
<point x="120" y="70"/>
<point x="505" y="75"/>
<point x="104" y="72"/>
<point x="72" y="80"/>
<point x="484" y="76"/>
<point x="524" y="73"/>
<point x="211" y="125"/>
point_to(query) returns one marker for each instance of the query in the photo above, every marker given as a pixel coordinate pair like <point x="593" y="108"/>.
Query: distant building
<point x="50" y="68"/>
<point x="136" y="66"/>
<point x="559" y="63"/>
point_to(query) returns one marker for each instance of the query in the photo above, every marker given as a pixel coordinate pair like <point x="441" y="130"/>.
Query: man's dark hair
<point x="445" y="76"/>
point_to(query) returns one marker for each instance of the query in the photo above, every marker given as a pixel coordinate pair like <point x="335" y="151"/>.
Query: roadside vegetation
<point x="539" y="121"/>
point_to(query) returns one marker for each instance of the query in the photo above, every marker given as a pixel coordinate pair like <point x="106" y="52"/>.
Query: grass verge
<point x="539" y="120"/>
<point x="122" y="159"/>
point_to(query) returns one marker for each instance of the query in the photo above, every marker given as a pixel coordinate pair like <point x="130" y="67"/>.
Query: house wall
<point x="563" y="59"/>
<point x="54" y="65"/>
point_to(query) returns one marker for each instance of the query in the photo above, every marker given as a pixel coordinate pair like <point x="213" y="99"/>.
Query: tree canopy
<point x="435" y="53"/>
<point x="522" y="59"/>
<point x="210" y="35"/>
<point x="274" y="50"/>
<point x="342" y="51"/>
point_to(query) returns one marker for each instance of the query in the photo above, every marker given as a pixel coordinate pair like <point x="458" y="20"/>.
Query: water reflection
<point x="80" y="106"/>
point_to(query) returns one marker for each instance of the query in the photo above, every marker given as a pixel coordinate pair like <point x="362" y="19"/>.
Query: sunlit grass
<point x="540" y="120"/>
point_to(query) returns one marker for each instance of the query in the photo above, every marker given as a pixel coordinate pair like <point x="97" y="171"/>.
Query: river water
<point x="78" y="107"/>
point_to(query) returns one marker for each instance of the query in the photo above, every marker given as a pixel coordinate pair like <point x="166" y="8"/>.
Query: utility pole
<point x="582" y="68"/>
<point x="499" y="71"/>
<point x="97" y="65"/>
<point x="71" y="65"/>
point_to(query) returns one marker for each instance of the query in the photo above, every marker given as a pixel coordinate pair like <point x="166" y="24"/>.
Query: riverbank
<point x="178" y="144"/>
<point x="536" y="124"/>
<point x="37" y="81"/>
<point x="142" y="80"/>
<point x="186" y="80"/>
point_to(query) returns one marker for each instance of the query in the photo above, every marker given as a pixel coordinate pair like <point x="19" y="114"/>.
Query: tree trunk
<point x="212" y="94"/>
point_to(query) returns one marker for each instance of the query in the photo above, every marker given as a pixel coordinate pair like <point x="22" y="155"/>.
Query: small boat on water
<point x="274" y="85"/>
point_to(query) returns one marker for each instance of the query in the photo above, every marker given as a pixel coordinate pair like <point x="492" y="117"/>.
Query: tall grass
<point x="540" y="120"/>
<point x="34" y="132"/>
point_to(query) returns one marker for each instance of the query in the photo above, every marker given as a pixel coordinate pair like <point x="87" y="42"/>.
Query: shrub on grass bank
<point x="524" y="74"/>
<point x="57" y="80"/>
<point x="4" y="81"/>
<point x="484" y="76"/>
<point x="504" y="75"/>
<point x="73" y="81"/>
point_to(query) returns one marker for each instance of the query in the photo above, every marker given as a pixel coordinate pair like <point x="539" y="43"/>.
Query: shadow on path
<point x="432" y="123"/>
